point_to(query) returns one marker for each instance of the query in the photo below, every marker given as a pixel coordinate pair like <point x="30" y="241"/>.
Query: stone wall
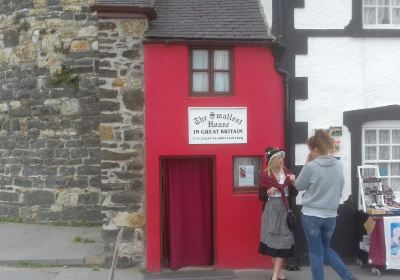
<point x="71" y="118"/>
<point x="122" y="130"/>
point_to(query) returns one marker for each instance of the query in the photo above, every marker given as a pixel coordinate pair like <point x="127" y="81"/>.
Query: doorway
<point x="187" y="206"/>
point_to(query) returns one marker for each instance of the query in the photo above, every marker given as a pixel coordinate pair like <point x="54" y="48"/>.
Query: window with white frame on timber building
<point x="384" y="14"/>
<point x="211" y="72"/>
<point x="381" y="146"/>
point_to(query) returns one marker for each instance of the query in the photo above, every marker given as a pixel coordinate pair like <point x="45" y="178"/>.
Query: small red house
<point x="214" y="101"/>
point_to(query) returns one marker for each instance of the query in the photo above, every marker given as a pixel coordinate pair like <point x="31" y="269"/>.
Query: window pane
<point x="396" y="152"/>
<point x="396" y="3"/>
<point x="221" y="82"/>
<point x="395" y="169"/>
<point x="383" y="16"/>
<point x="395" y="184"/>
<point x="383" y="2"/>
<point x="221" y="60"/>
<point x="396" y="16"/>
<point x="370" y="2"/>
<point x="384" y="152"/>
<point x="200" y="59"/>
<point x="368" y="172"/>
<point x="385" y="182"/>
<point x="384" y="137"/>
<point x="383" y="169"/>
<point x="200" y="82"/>
<point x="396" y="136"/>
<point x="370" y="137"/>
<point x="369" y="16"/>
<point x="370" y="153"/>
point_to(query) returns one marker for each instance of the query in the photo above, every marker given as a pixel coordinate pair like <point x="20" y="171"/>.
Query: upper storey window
<point x="381" y="13"/>
<point x="211" y="72"/>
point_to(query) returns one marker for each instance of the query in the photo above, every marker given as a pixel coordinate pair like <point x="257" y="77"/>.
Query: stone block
<point x="53" y="2"/>
<point x="132" y="54"/>
<point x="66" y="171"/>
<point x="34" y="170"/>
<point x="109" y="106"/>
<point x="108" y="73"/>
<point x="55" y="143"/>
<point x="106" y="133"/>
<point x="132" y="28"/>
<point x="13" y="170"/>
<point x="67" y="16"/>
<point x="55" y="182"/>
<point x="62" y="153"/>
<point x="79" y="153"/>
<point x="77" y="183"/>
<point x="88" y="198"/>
<point x="88" y="31"/>
<point x="133" y="99"/>
<point x="95" y="182"/>
<point x="137" y="184"/>
<point x="73" y="143"/>
<point x="32" y="161"/>
<point x="136" y="134"/>
<point x="10" y="38"/>
<point x="89" y="106"/>
<point x="22" y="182"/>
<point x="72" y="214"/>
<point x="112" y="156"/>
<point x="110" y="118"/>
<point x="109" y="165"/>
<point x="103" y="55"/>
<point x="108" y="93"/>
<point x="92" y="142"/>
<point x="9" y="196"/>
<point x="104" y="25"/>
<point x="125" y="197"/>
<point x="88" y="170"/>
<point x="70" y="107"/>
<point x="80" y="46"/>
<point x="39" y="197"/>
<point x="8" y="144"/>
<point x="138" y="119"/>
<point x="119" y="83"/>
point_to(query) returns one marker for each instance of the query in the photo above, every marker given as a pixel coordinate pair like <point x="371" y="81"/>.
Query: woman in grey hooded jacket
<point x="322" y="181"/>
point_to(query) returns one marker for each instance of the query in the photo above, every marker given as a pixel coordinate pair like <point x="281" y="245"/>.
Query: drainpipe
<point x="278" y="50"/>
<point x="288" y="117"/>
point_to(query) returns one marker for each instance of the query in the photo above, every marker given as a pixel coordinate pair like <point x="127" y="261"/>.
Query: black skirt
<point x="276" y="253"/>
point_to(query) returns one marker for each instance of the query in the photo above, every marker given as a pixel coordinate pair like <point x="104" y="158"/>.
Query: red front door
<point x="188" y="206"/>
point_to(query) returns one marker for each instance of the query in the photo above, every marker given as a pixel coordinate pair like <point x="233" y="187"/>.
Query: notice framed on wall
<point x="217" y="125"/>
<point x="246" y="175"/>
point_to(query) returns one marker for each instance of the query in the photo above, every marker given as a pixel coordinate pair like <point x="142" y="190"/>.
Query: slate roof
<point x="143" y="3"/>
<point x="209" y="19"/>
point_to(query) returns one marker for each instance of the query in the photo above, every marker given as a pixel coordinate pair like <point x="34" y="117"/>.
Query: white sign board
<point x="217" y="125"/>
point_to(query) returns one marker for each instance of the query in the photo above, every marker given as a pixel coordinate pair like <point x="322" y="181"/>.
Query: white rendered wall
<point x="346" y="74"/>
<point x="323" y="14"/>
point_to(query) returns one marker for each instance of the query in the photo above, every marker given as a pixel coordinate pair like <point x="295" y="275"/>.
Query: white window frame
<point x="377" y="25"/>
<point x="382" y="125"/>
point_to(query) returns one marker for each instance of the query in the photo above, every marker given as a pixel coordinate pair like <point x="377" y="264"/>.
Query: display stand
<point x="372" y="202"/>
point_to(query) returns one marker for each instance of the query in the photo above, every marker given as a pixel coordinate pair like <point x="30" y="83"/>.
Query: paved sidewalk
<point x="46" y="244"/>
<point x="54" y="245"/>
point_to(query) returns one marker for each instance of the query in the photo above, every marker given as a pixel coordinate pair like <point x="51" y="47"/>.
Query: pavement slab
<point x="47" y="244"/>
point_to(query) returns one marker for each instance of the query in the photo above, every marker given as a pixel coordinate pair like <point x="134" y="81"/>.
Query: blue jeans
<point x="318" y="232"/>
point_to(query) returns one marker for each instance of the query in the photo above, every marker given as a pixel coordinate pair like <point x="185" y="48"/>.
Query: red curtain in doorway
<point x="189" y="211"/>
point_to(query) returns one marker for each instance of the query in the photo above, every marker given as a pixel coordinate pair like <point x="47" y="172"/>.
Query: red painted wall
<point x="258" y="87"/>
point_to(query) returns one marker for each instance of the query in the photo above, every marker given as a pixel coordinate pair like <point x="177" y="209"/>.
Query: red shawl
<point x="269" y="181"/>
